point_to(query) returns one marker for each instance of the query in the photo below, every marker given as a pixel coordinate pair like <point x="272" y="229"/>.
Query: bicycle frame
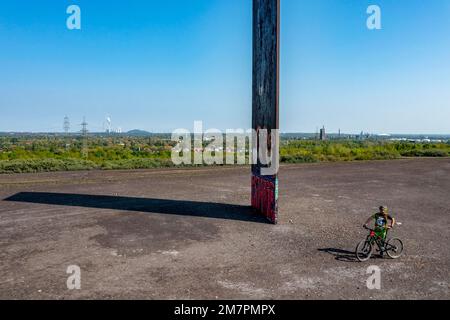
<point x="381" y="243"/>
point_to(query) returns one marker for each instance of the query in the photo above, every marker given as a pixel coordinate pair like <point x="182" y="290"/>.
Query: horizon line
<point x="282" y="133"/>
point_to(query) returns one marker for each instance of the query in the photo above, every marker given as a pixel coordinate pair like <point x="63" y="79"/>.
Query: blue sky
<point x="161" y="65"/>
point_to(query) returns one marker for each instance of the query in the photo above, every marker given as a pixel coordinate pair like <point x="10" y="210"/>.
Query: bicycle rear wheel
<point x="394" y="248"/>
<point x="364" y="251"/>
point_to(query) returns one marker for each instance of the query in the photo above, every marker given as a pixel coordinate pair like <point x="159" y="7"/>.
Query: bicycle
<point x="392" y="247"/>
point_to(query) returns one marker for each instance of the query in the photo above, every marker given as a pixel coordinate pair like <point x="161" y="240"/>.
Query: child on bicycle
<point x="381" y="219"/>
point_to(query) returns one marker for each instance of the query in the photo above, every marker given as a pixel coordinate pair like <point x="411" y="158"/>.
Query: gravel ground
<point x="189" y="234"/>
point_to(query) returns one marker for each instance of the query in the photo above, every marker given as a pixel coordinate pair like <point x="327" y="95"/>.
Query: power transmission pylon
<point x="66" y="125"/>
<point x="84" y="133"/>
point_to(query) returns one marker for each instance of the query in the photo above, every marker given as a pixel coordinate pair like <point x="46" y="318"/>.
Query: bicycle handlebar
<point x="369" y="229"/>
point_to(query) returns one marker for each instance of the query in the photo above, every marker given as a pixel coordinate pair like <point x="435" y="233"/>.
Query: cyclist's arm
<point x="392" y="221"/>
<point x="368" y="221"/>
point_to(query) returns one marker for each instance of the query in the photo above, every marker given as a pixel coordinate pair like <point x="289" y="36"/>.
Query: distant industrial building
<point x="323" y="134"/>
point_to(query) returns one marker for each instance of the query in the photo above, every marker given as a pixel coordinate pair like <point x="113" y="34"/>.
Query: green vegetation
<point x="43" y="154"/>
<point x="44" y="165"/>
<point x="57" y="153"/>
<point x="316" y="151"/>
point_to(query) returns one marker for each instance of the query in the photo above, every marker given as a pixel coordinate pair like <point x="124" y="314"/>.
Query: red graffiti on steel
<point x="264" y="197"/>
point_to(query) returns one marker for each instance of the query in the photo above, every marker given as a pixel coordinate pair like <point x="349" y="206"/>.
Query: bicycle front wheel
<point x="364" y="251"/>
<point x="394" y="248"/>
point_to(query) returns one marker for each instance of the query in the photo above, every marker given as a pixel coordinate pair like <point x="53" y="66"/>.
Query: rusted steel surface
<point x="266" y="35"/>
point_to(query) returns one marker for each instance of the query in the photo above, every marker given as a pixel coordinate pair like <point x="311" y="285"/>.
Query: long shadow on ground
<point x="161" y="206"/>
<point x="340" y="254"/>
<point x="344" y="255"/>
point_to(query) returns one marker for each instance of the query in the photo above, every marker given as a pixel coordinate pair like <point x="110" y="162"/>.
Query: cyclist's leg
<point x="381" y="240"/>
<point x="384" y="237"/>
<point x="385" y="245"/>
